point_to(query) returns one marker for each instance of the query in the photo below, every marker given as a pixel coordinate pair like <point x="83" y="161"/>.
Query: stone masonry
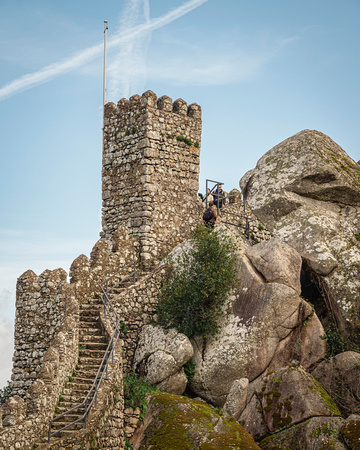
<point x="150" y="171"/>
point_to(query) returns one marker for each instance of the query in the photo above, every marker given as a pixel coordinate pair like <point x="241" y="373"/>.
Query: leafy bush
<point x="5" y="393"/>
<point x="135" y="390"/>
<point x="197" y="285"/>
<point x="337" y="343"/>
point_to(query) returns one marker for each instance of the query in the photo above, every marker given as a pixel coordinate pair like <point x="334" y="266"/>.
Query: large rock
<point x="306" y="191"/>
<point x="262" y="313"/>
<point x="160" y="356"/>
<point x="318" y="433"/>
<point x="340" y="376"/>
<point x="282" y="398"/>
<point x="351" y="431"/>
<point x="174" y="422"/>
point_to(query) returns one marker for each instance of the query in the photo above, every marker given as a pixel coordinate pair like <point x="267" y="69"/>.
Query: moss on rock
<point x="176" y="422"/>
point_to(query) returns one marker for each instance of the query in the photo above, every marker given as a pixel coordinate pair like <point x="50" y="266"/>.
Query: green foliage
<point x="189" y="369"/>
<point x="135" y="390"/>
<point x="329" y="430"/>
<point x="197" y="145"/>
<point x="70" y="378"/>
<point x="81" y="347"/>
<point x="184" y="139"/>
<point x="260" y="227"/>
<point x="123" y="328"/>
<point x="128" y="445"/>
<point x="337" y="342"/>
<point x="5" y="393"/>
<point x="61" y="398"/>
<point x="357" y="236"/>
<point x="197" y="285"/>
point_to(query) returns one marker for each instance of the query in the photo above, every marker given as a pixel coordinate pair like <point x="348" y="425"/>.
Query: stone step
<point x="86" y="319"/>
<point x="78" y="385"/>
<point x="94" y="345"/>
<point x="86" y="371"/>
<point x="88" y="361"/>
<point x="90" y="353"/>
<point x="68" y="418"/>
<point x="93" y="312"/>
<point x="89" y="338"/>
<point x="58" y="425"/>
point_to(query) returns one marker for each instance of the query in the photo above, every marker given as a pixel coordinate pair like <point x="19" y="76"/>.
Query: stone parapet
<point x="150" y="171"/>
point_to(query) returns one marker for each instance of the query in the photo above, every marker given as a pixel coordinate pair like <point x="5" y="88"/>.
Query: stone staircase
<point x="92" y="346"/>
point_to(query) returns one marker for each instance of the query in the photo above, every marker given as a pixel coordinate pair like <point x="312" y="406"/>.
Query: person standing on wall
<point x="208" y="197"/>
<point x="219" y="197"/>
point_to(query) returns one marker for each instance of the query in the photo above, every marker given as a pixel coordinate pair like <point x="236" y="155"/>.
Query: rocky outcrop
<point x="176" y="422"/>
<point x="263" y="313"/>
<point x="318" y="433"/>
<point x="160" y="356"/>
<point x="284" y="397"/>
<point x="306" y="191"/>
<point x="340" y="377"/>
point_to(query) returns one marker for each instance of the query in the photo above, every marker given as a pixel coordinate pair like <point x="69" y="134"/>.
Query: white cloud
<point x="214" y="63"/>
<point x="127" y="71"/>
<point x="83" y="57"/>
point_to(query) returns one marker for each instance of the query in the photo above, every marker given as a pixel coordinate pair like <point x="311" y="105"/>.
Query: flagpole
<point x="104" y="83"/>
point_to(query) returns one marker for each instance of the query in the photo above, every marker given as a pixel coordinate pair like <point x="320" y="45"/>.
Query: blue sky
<point x="261" y="71"/>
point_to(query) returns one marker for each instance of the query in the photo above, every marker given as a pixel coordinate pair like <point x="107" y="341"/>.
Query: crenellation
<point x="165" y="103"/>
<point x="153" y="168"/>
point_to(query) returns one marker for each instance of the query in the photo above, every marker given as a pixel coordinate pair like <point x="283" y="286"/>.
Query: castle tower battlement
<point x="150" y="171"/>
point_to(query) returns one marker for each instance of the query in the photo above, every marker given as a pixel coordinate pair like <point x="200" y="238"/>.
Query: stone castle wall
<point x="41" y="304"/>
<point x="150" y="204"/>
<point x="150" y="171"/>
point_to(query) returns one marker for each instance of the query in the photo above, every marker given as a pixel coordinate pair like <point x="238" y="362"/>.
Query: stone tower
<point x="150" y="171"/>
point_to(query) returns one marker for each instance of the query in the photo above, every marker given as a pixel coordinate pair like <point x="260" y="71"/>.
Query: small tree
<point x="198" y="285"/>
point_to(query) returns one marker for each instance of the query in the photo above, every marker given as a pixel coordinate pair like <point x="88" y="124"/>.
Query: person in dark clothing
<point x="219" y="197"/>
<point x="210" y="216"/>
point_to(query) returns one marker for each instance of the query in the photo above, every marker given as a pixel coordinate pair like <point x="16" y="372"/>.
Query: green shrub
<point x="184" y="139"/>
<point x="197" y="285"/>
<point x="5" y="393"/>
<point x="337" y="343"/>
<point x="189" y="369"/>
<point x="135" y="390"/>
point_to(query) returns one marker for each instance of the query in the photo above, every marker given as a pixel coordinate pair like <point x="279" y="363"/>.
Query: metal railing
<point x="102" y="372"/>
<point x="221" y="208"/>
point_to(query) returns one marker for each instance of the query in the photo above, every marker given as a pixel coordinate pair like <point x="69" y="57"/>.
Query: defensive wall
<point x="150" y="203"/>
<point x="150" y="175"/>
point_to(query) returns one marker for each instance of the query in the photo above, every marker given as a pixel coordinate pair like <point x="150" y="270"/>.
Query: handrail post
<point x="49" y="431"/>
<point x="134" y="271"/>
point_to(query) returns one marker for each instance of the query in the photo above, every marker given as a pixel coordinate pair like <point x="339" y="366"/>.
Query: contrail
<point x="79" y="59"/>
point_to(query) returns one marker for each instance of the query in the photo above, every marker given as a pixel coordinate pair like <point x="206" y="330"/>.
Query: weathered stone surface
<point x="258" y="316"/>
<point x="160" y="355"/>
<point x="236" y="400"/>
<point x="303" y="345"/>
<point x="277" y="262"/>
<point x="14" y="411"/>
<point x="176" y="422"/>
<point x="318" y="433"/>
<point x="154" y="338"/>
<point x="351" y="431"/>
<point x="286" y="396"/>
<point x="150" y="167"/>
<point x="340" y="376"/>
<point x="306" y="190"/>
<point x="159" y="365"/>
<point x="174" y="384"/>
